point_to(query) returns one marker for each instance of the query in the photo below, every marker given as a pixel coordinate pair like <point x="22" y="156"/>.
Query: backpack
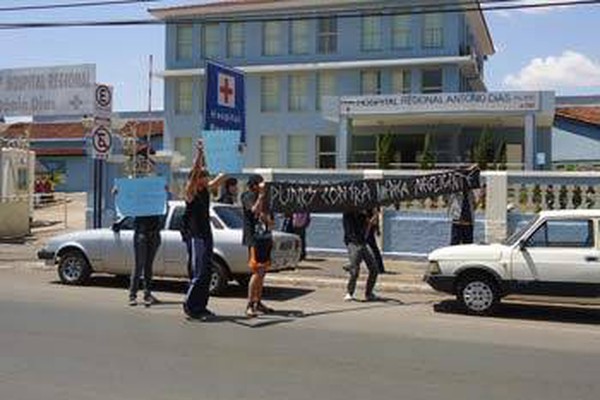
<point x="300" y="220"/>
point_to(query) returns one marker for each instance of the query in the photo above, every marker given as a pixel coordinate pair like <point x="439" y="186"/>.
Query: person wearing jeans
<point x="355" y="225"/>
<point x="146" y="240"/>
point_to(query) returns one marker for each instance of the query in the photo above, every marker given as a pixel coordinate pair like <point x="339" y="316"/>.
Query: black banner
<point x="368" y="193"/>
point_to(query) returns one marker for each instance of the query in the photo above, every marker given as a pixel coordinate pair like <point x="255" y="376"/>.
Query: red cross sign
<point x="226" y="96"/>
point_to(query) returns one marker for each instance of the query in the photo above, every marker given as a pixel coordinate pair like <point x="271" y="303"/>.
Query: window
<point x="371" y="33"/>
<point x="210" y="43"/>
<point x="183" y="145"/>
<point x="325" y="87"/>
<point x="298" y="151"/>
<point x="271" y="38"/>
<point x="327" y="35"/>
<point x="299" y="37"/>
<point x="235" y="39"/>
<point x="177" y="219"/>
<point x="401" y="81"/>
<point x="183" y="96"/>
<point x="269" y="151"/>
<point x="433" y="30"/>
<point x="298" y="93"/>
<point x="326" y="154"/>
<point x="401" y="32"/>
<point x="364" y="150"/>
<point x="184" y="42"/>
<point x="370" y="82"/>
<point x="432" y="81"/>
<point x="563" y="233"/>
<point x="269" y="94"/>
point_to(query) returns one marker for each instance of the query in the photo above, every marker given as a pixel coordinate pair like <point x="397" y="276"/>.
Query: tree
<point x="483" y="153"/>
<point x="427" y="160"/>
<point x="385" y="150"/>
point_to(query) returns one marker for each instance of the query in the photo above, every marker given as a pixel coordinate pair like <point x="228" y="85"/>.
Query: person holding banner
<point x="355" y="238"/>
<point x="257" y="237"/>
<point x="197" y="217"/>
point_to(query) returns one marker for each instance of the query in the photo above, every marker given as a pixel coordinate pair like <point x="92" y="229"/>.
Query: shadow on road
<point x="271" y="293"/>
<point x="533" y="312"/>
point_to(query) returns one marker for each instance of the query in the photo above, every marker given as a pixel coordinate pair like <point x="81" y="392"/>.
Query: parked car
<point x="555" y="254"/>
<point x="80" y="254"/>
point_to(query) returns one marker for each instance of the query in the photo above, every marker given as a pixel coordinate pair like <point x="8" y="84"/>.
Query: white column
<point x="343" y="142"/>
<point x="496" y="201"/>
<point x="530" y="137"/>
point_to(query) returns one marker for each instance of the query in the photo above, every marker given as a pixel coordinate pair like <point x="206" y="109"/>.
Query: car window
<point x="563" y="233"/>
<point x="232" y="217"/>
<point x="216" y="223"/>
<point x="177" y="219"/>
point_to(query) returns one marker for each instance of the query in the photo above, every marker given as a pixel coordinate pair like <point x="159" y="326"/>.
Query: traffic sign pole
<point x="101" y="145"/>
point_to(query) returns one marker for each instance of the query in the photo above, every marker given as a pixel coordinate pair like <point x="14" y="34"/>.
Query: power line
<point x="390" y="10"/>
<point x="74" y="5"/>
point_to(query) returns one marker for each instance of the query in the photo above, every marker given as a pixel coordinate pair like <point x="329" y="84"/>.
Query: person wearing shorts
<point x="257" y="237"/>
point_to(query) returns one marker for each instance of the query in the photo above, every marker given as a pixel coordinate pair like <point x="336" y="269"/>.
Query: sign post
<point x="225" y="102"/>
<point x="101" y="142"/>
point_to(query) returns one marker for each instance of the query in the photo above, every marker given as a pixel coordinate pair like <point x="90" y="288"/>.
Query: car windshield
<point x="232" y="217"/>
<point x="512" y="239"/>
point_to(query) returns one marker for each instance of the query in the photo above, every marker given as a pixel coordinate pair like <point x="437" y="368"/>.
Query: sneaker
<point x="150" y="300"/>
<point x="133" y="302"/>
<point x="261" y="307"/>
<point x="251" y="311"/>
<point x="205" y="315"/>
<point x="373" y="297"/>
<point x="349" y="297"/>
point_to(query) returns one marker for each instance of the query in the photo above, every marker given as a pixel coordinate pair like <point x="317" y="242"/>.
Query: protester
<point x="461" y="212"/>
<point x="229" y="192"/>
<point x="197" y="221"/>
<point x="257" y="237"/>
<point x="355" y="225"/>
<point x="373" y="231"/>
<point x="146" y="241"/>
<point x="300" y="221"/>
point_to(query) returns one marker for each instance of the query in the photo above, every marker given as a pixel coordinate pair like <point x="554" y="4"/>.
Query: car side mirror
<point x="522" y="245"/>
<point x="116" y="227"/>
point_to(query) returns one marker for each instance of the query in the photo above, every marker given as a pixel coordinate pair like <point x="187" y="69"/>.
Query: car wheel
<point x="74" y="268"/>
<point x="478" y="294"/>
<point x="219" y="278"/>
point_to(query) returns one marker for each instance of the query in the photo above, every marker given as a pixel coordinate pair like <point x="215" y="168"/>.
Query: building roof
<point x="73" y="130"/>
<point x="588" y="115"/>
<point x="314" y="8"/>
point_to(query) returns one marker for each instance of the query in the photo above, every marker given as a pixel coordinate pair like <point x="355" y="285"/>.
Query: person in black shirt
<point x="372" y="233"/>
<point x="197" y="220"/>
<point x="257" y="237"/>
<point x="355" y="235"/>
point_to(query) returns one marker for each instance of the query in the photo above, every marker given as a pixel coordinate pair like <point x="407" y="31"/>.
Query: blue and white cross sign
<point x="225" y="101"/>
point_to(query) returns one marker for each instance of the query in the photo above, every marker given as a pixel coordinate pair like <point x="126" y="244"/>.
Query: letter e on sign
<point x="103" y="99"/>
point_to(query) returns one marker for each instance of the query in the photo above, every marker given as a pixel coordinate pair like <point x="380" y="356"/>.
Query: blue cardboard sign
<point x="140" y="197"/>
<point x="221" y="151"/>
<point x="225" y="100"/>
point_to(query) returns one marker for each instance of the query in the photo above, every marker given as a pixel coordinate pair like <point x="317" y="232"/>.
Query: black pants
<point x="145" y="246"/>
<point x="302" y="233"/>
<point x="198" y="293"/>
<point x="372" y="243"/>
<point x="461" y="234"/>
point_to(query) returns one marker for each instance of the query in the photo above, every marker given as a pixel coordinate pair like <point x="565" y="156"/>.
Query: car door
<point x="118" y="249"/>
<point x="560" y="258"/>
<point x="174" y="251"/>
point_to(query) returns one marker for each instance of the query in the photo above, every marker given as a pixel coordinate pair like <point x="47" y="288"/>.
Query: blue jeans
<point x="196" y="298"/>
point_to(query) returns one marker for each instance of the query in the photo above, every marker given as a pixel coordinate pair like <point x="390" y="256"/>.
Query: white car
<point x="555" y="254"/>
<point x="79" y="254"/>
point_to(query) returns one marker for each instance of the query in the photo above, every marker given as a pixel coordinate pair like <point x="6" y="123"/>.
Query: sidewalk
<point x="316" y="271"/>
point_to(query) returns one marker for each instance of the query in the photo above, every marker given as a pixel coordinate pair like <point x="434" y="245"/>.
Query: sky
<point x="551" y="49"/>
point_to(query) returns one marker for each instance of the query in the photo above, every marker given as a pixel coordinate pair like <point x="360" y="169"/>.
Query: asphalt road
<point x="81" y="343"/>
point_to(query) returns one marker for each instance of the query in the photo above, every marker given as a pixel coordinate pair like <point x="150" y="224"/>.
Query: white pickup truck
<point x="555" y="254"/>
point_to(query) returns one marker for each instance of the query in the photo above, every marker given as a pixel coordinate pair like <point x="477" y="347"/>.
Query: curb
<point x="340" y="283"/>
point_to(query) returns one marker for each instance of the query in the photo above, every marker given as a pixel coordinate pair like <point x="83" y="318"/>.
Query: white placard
<point x="60" y="90"/>
<point x="440" y="102"/>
